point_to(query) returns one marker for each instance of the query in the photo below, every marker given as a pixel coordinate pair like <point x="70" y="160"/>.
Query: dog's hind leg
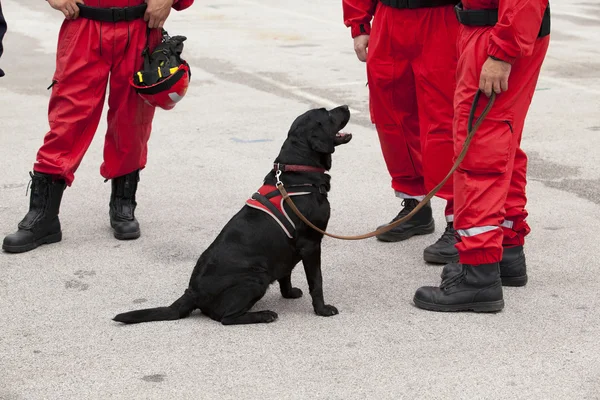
<point x="240" y="300"/>
<point x="287" y="291"/>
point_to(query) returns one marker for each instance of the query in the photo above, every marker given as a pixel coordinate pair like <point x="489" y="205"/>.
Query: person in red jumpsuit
<point x="502" y="45"/>
<point x="410" y="51"/>
<point x="100" y="43"/>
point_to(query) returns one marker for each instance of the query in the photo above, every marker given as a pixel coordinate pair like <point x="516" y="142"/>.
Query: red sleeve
<point x="358" y="15"/>
<point x="518" y="26"/>
<point x="182" y="4"/>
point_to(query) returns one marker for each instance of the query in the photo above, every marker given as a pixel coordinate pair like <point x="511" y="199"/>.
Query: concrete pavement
<point x="256" y="66"/>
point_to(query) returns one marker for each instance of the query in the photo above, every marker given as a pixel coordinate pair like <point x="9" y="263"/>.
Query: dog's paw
<point x="268" y="316"/>
<point x="294" y="293"/>
<point x="326" y="311"/>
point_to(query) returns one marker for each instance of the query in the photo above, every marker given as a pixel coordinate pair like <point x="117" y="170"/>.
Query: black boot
<point x="41" y="224"/>
<point x="513" y="270"/>
<point x="475" y="288"/>
<point x="122" y="206"/>
<point x="420" y="224"/>
<point x="443" y="251"/>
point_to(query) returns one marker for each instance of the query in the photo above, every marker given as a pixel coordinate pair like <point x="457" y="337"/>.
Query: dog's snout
<point x="340" y="116"/>
<point x="340" y="108"/>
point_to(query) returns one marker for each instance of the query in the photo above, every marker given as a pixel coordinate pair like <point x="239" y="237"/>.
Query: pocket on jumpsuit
<point x="67" y="32"/>
<point x="490" y="149"/>
<point x="381" y="85"/>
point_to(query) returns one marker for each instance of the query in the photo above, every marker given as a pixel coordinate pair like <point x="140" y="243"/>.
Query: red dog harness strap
<point x="269" y="200"/>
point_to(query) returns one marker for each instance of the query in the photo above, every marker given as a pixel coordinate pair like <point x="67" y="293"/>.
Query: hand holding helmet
<point x="165" y="77"/>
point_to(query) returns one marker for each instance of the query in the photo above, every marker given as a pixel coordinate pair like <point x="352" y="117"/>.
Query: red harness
<point x="269" y="200"/>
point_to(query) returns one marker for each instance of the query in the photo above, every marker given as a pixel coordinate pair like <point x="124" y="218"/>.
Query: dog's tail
<point x="182" y="308"/>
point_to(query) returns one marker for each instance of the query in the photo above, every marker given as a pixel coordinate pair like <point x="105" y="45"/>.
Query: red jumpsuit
<point x="411" y="66"/>
<point x="490" y="184"/>
<point x="90" y="55"/>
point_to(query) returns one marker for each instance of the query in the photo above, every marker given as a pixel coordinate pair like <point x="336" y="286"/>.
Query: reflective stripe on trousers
<point x="478" y="230"/>
<point x="508" y="224"/>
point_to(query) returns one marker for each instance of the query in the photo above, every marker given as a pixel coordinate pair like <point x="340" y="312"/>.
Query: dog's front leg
<point x="287" y="291"/>
<point x="312" y="268"/>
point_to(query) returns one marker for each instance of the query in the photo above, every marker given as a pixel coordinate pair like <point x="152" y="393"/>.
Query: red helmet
<point x="166" y="76"/>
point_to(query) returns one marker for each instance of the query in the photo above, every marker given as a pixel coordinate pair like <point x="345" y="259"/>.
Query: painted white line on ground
<point x="297" y="92"/>
<point x="340" y="84"/>
<point x="567" y="83"/>
<point x="293" y="13"/>
<point x="37" y="25"/>
<point x="576" y="15"/>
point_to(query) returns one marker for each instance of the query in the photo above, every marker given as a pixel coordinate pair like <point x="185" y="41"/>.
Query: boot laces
<point x="449" y="235"/>
<point x="38" y="203"/>
<point x="408" y="205"/>
<point x="453" y="280"/>
<point x="29" y="184"/>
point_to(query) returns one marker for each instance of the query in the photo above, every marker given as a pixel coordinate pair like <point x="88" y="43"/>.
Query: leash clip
<point x="278" y="176"/>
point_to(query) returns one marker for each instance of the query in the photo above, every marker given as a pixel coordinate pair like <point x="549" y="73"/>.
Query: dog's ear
<point x="319" y="140"/>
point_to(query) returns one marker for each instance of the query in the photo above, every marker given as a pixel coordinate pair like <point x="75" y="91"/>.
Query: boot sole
<point x="439" y="259"/>
<point x="484" y="307"/>
<point x="514" y="281"/>
<point x="128" y="235"/>
<point x="54" y="238"/>
<point x="125" y="235"/>
<point x="398" y="237"/>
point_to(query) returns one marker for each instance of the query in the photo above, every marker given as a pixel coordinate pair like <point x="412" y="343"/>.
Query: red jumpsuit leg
<point x="435" y="74"/>
<point x="514" y="227"/>
<point x="392" y="97"/>
<point x="77" y="98"/>
<point x="129" y="117"/>
<point x="483" y="181"/>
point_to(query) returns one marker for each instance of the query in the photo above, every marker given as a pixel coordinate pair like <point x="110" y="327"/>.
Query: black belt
<point x="418" y="3"/>
<point x="490" y="18"/>
<point x="112" y="14"/>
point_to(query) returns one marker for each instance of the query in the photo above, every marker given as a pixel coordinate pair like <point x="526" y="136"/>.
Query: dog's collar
<point x="297" y="168"/>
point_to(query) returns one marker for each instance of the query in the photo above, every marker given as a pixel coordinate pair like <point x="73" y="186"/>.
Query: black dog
<point x="255" y="249"/>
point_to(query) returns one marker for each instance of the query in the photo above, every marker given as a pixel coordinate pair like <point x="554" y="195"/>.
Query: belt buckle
<point x="118" y="14"/>
<point x="458" y="10"/>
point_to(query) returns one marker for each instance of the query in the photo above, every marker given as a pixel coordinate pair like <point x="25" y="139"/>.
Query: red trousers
<point x="411" y="73"/>
<point x="90" y="56"/>
<point x="490" y="184"/>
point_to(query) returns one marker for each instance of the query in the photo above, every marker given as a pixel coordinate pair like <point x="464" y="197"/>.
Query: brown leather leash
<point x="472" y="129"/>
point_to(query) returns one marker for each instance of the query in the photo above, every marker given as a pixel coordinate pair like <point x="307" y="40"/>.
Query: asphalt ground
<point x="257" y="65"/>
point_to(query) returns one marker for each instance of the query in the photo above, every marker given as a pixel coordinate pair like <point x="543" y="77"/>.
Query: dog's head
<point x="314" y="135"/>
